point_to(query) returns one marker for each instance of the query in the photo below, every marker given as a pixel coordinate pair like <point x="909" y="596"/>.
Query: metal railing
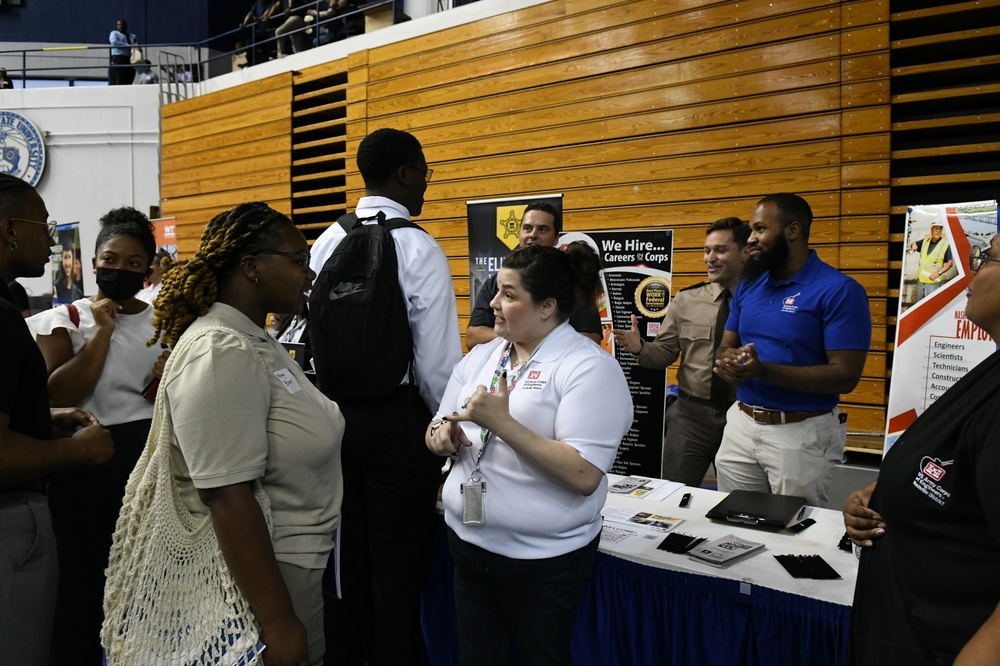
<point x="75" y="63"/>
<point x="203" y="59"/>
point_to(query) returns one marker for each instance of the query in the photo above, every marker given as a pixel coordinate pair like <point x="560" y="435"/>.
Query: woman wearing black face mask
<point x="97" y="358"/>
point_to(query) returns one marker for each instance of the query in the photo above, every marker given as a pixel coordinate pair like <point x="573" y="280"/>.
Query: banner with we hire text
<point x="635" y="279"/>
<point x="936" y="345"/>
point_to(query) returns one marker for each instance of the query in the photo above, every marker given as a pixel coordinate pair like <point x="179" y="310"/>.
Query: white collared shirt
<point x="570" y="390"/>
<point x="425" y="278"/>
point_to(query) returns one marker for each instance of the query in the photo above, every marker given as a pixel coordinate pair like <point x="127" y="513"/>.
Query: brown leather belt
<point x="776" y="416"/>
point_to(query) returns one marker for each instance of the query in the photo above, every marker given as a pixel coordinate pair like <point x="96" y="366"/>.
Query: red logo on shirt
<point x="789" y="301"/>
<point x="934" y="470"/>
<point x="534" y="374"/>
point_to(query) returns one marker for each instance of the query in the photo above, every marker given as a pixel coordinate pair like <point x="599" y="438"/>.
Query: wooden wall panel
<point x="641" y="113"/>
<point x="225" y="148"/>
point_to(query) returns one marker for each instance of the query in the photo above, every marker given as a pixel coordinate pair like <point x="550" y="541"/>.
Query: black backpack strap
<point x="348" y="221"/>
<point x="399" y="223"/>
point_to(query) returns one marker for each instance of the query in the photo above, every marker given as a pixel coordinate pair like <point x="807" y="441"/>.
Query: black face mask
<point x="119" y="285"/>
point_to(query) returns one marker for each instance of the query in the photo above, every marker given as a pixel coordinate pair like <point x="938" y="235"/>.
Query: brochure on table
<point x="632" y="542"/>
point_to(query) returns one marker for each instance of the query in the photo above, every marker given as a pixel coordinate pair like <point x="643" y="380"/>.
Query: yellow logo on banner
<point x="508" y="224"/>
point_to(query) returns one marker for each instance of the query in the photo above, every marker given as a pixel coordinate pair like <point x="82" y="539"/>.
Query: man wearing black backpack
<point x="390" y="478"/>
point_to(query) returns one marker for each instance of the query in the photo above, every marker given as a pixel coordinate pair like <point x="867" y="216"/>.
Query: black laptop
<point x="761" y="510"/>
<point x="297" y="351"/>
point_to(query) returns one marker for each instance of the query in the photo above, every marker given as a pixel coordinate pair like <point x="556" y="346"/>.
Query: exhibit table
<point x="648" y="606"/>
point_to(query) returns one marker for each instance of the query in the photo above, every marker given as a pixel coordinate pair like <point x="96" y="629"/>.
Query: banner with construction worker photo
<point x="935" y="344"/>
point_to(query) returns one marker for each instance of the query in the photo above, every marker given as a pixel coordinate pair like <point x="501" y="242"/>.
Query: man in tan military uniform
<point x="692" y="329"/>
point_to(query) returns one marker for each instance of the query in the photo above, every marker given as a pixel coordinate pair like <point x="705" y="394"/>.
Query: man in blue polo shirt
<point x="797" y="337"/>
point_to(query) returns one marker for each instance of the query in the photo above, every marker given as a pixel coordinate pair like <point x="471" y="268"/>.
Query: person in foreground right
<point x="535" y="418"/>
<point x="928" y="531"/>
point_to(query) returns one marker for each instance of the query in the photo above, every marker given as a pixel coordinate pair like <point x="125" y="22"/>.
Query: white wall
<point x="102" y="150"/>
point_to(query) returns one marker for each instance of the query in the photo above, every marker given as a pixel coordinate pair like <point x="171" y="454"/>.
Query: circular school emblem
<point x="22" y="151"/>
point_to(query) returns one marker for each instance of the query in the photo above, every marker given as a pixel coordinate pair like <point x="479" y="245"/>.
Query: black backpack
<point x="359" y="333"/>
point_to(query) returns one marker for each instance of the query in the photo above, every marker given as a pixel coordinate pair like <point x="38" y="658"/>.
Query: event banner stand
<point x="936" y="344"/>
<point x="635" y="279"/>
<point x="67" y="265"/>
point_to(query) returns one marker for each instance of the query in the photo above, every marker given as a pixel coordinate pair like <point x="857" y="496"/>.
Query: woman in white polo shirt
<point x="535" y="418"/>
<point x="242" y="410"/>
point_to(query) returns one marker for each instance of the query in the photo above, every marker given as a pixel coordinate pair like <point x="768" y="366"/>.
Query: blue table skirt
<point x="636" y="615"/>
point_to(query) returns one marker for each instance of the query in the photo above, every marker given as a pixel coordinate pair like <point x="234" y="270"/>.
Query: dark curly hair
<point x="12" y="192"/>
<point x="547" y="272"/>
<point x="127" y="221"/>
<point x="382" y="152"/>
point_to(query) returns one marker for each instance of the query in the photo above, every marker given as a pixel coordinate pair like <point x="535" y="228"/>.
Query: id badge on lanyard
<point x="473" y="503"/>
<point x="474" y="490"/>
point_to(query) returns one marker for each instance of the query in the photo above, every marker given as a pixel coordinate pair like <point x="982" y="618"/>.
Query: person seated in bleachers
<point x="145" y="74"/>
<point x="335" y="30"/>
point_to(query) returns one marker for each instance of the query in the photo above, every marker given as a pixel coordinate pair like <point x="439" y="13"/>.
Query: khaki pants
<point x="694" y="432"/>
<point x="305" y="586"/>
<point x="784" y="459"/>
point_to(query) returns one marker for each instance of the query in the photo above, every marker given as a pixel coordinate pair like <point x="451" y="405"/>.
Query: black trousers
<point x="85" y="504"/>
<point x="121" y="72"/>
<point x="391" y="483"/>
<point x="502" y="603"/>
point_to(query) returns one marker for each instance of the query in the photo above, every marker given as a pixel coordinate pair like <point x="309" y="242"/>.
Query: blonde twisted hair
<point x="192" y="285"/>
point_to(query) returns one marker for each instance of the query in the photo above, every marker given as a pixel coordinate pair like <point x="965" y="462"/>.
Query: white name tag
<point x="288" y="379"/>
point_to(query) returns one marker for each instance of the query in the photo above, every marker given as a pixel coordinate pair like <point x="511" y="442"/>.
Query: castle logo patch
<point x="788" y="304"/>
<point x="928" y="480"/>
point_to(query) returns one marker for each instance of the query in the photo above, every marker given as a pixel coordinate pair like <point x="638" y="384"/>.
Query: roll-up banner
<point x="635" y="279"/>
<point x="935" y="343"/>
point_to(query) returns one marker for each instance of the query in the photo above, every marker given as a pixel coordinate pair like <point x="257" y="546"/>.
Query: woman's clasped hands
<point x="485" y="409"/>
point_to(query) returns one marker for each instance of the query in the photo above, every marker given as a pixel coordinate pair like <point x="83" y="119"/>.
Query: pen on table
<point x="686" y="499"/>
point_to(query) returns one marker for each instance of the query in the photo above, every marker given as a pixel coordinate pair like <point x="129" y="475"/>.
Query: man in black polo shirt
<point x="540" y="225"/>
<point x="29" y="571"/>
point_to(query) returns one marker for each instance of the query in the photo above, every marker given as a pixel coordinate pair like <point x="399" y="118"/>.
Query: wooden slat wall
<point x="945" y="128"/>
<point x="643" y="113"/>
<point x="225" y="148"/>
<point x="647" y="113"/>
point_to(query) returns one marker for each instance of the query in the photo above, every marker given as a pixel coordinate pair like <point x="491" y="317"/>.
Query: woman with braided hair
<point x="243" y="413"/>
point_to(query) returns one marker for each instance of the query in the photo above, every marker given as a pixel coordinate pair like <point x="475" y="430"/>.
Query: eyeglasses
<point x="51" y="224"/>
<point x="301" y="258"/>
<point x="428" y="172"/>
<point x="978" y="257"/>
